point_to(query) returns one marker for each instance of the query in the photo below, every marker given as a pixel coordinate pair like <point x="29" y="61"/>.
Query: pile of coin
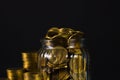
<point x="31" y="76"/>
<point x="61" y="36"/>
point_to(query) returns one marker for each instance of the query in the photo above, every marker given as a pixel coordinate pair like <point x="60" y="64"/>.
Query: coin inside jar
<point x="66" y="32"/>
<point x="52" y="32"/>
<point x="57" y="55"/>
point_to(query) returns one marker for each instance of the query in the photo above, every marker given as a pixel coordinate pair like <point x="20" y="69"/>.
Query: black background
<point x="23" y="24"/>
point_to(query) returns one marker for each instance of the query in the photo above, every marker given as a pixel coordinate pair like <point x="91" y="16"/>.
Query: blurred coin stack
<point x="30" y="66"/>
<point x="15" y="74"/>
<point x="31" y="76"/>
<point x="29" y="71"/>
<point x="30" y="61"/>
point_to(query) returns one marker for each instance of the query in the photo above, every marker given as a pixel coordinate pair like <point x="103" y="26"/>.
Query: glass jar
<point x="53" y="61"/>
<point x="78" y="59"/>
<point x="63" y="56"/>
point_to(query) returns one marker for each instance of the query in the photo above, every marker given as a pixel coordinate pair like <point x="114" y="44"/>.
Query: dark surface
<point x="23" y="24"/>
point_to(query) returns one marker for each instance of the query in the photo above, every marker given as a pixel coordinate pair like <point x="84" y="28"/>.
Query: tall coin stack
<point x="30" y="66"/>
<point x="30" y="61"/>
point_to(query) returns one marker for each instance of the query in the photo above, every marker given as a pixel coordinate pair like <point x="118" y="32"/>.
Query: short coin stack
<point x="15" y="73"/>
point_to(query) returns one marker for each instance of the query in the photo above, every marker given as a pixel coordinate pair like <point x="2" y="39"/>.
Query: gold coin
<point x="28" y="76"/>
<point x="76" y="64"/>
<point x="60" y="74"/>
<point x="76" y="35"/>
<point x="59" y="40"/>
<point x="63" y="75"/>
<point x="36" y="76"/>
<point x="29" y="56"/>
<point x="30" y="61"/>
<point x="52" y="32"/>
<point x="66" y="32"/>
<point x="57" y="55"/>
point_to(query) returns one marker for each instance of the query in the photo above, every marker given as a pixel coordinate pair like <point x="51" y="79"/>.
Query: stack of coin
<point x="30" y="61"/>
<point x="32" y="76"/>
<point x="15" y="73"/>
<point x="36" y="76"/>
<point x="28" y="76"/>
